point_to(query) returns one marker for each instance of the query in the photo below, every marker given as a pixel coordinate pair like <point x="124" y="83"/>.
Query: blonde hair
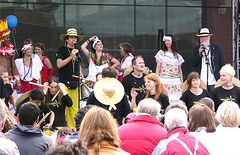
<point x="228" y="69"/>
<point x="98" y="125"/>
<point x="228" y="114"/>
<point x="158" y="89"/>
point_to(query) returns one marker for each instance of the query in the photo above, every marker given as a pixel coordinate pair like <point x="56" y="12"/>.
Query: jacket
<point x="173" y="147"/>
<point x="141" y="134"/>
<point x="7" y="145"/>
<point x="29" y="140"/>
<point x="217" y="60"/>
<point x="107" y="149"/>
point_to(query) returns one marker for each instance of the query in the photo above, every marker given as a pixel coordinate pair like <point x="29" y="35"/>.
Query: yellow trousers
<point x="71" y="111"/>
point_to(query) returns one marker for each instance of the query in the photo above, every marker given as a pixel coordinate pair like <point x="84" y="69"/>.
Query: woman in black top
<point x="59" y="103"/>
<point x="154" y="90"/>
<point x="194" y="92"/>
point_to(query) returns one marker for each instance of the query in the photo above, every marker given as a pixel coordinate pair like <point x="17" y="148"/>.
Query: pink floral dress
<point x="169" y="74"/>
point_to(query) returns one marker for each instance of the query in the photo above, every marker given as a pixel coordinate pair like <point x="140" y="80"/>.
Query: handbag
<point x="72" y="84"/>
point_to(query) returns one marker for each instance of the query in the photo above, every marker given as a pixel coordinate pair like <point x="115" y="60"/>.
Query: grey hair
<point x="149" y="106"/>
<point x="3" y="115"/>
<point x="175" y="117"/>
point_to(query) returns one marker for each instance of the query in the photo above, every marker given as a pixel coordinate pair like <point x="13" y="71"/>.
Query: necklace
<point x="73" y="60"/>
<point x="199" y="92"/>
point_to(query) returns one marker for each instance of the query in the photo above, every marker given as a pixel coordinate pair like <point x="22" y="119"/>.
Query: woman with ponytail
<point x="98" y="131"/>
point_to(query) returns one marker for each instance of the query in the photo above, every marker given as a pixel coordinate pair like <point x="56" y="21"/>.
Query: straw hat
<point x="109" y="91"/>
<point x="236" y="82"/>
<point x="22" y="98"/>
<point x="186" y="85"/>
<point x="71" y="32"/>
<point x="204" y="32"/>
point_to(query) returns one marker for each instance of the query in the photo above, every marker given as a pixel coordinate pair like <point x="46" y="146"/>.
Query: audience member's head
<point x="201" y="116"/>
<point x="109" y="72"/>
<point x="191" y="76"/>
<point x="98" y="125"/>
<point x="129" y="117"/>
<point x="36" y="96"/>
<point x="208" y="102"/>
<point x="228" y="114"/>
<point x="4" y="74"/>
<point x="64" y="131"/>
<point x="135" y="59"/>
<point x="228" y="69"/>
<point x="28" y="113"/>
<point x="149" y="106"/>
<point x="153" y="77"/>
<point x="3" y="115"/>
<point x="98" y="76"/>
<point x="177" y="105"/>
<point x="175" y="118"/>
<point x="80" y="115"/>
<point x="67" y="148"/>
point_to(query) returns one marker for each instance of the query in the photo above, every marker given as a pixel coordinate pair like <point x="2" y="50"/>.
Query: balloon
<point x="12" y="21"/>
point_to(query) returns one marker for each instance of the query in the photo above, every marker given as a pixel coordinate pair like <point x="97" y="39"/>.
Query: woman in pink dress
<point x="47" y="66"/>
<point x="169" y="61"/>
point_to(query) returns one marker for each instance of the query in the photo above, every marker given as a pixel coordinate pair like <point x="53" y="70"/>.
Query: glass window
<point x="116" y="2"/>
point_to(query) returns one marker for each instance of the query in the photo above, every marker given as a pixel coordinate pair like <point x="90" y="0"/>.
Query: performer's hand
<point x="93" y="38"/>
<point x="61" y="87"/>
<point x="19" y="88"/>
<point x="134" y="93"/>
<point x="47" y="127"/>
<point x="45" y="87"/>
<point x="81" y="77"/>
<point x="74" y="51"/>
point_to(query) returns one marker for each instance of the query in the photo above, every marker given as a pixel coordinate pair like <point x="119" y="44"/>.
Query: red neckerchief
<point x="124" y="59"/>
<point x="8" y="50"/>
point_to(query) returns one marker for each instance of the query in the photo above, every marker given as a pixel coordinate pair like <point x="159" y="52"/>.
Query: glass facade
<point x="135" y="21"/>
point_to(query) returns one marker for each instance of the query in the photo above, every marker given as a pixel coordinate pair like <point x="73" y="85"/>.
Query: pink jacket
<point x="141" y="134"/>
<point x="173" y="147"/>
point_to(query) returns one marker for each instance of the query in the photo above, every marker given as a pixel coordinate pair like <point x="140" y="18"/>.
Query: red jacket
<point x="173" y="147"/>
<point x="141" y="134"/>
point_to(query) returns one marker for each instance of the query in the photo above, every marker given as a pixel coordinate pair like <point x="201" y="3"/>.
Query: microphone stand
<point x="207" y="62"/>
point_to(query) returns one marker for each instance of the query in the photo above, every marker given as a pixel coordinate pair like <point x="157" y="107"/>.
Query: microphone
<point x="204" y="45"/>
<point x="75" y="45"/>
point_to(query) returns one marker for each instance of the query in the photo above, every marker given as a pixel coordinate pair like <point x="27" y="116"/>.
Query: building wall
<point x="133" y="21"/>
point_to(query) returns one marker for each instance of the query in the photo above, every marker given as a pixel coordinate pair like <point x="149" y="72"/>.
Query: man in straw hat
<point x="208" y="59"/>
<point x="109" y="94"/>
<point x="69" y="70"/>
<point x="7" y="54"/>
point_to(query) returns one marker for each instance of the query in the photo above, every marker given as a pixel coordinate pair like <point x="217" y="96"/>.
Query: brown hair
<point x="109" y="72"/>
<point x="173" y="46"/>
<point x="40" y="45"/>
<point x="28" y="41"/>
<point x="98" y="125"/>
<point x="127" y="48"/>
<point x="154" y="77"/>
<point x="201" y="116"/>
<point x="64" y="131"/>
<point x="135" y="58"/>
<point x="208" y="102"/>
<point x="192" y="75"/>
<point x="48" y="95"/>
